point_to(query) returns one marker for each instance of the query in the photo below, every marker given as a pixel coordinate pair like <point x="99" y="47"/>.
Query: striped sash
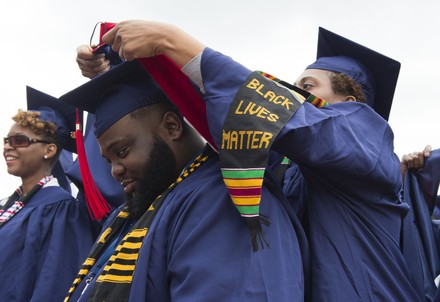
<point x="260" y="109"/>
<point x="18" y="200"/>
<point x="114" y="283"/>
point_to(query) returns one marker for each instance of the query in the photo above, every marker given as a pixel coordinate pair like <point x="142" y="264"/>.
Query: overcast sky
<point x="39" y="40"/>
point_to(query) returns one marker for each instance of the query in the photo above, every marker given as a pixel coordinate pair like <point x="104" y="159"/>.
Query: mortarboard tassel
<point x="96" y="203"/>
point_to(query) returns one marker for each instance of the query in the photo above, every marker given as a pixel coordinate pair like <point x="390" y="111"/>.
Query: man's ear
<point x="173" y="125"/>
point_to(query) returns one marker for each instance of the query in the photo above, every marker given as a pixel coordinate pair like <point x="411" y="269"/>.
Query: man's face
<point x="141" y="161"/>
<point x="318" y="83"/>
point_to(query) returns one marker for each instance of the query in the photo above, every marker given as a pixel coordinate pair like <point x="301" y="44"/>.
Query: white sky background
<point x="39" y="40"/>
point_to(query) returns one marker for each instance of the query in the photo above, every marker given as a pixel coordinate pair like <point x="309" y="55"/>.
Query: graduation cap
<point x="116" y="93"/>
<point x="374" y="72"/>
<point x="64" y="117"/>
<point x="109" y="97"/>
<point x="133" y="82"/>
<point x="52" y="110"/>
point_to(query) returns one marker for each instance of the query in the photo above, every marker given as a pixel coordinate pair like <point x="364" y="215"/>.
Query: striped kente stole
<point x="18" y="200"/>
<point x="260" y="109"/>
<point x="114" y="283"/>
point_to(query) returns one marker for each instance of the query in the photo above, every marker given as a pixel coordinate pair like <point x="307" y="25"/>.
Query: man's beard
<point x="158" y="174"/>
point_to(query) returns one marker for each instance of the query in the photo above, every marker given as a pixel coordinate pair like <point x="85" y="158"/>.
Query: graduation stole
<point x="17" y="200"/>
<point x="260" y="109"/>
<point x="114" y="283"/>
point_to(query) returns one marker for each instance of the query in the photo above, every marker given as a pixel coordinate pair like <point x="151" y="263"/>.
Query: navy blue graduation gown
<point x="198" y="248"/>
<point x="428" y="179"/>
<point x="42" y="247"/>
<point x="354" y="214"/>
<point x="65" y="161"/>
<point x="420" y="244"/>
<point x="420" y="192"/>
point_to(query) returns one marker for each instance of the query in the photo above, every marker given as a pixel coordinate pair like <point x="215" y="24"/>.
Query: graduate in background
<point x="344" y="152"/>
<point x="421" y="177"/>
<point x="375" y="212"/>
<point x="45" y="232"/>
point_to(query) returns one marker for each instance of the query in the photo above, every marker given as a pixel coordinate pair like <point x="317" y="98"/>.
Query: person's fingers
<point x="88" y="74"/>
<point x="117" y="45"/>
<point x="102" y="67"/>
<point x="96" y="62"/>
<point x="108" y="37"/>
<point x="92" y="63"/>
<point x="405" y="159"/>
<point x="427" y="151"/>
<point x="126" y="54"/>
<point x="414" y="161"/>
<point x="420" y="160"/>
<point x="85" y="52"/>
<point x="410" y="161"/>
<point x="91" y="68"/>
<point x="84" y="49"/>
<point x="93" y="72"/>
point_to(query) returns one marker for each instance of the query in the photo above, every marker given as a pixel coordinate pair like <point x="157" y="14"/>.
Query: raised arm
<point x="142" y="39"/>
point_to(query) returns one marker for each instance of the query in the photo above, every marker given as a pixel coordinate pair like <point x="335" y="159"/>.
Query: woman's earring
<point x="45" y="157"/>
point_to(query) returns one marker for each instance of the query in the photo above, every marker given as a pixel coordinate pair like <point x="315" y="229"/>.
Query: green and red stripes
<point x="244" y="186"/>
<point x="317" y="102"/>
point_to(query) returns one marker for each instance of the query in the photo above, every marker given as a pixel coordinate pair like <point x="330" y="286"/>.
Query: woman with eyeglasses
<point x="45" y="234"/>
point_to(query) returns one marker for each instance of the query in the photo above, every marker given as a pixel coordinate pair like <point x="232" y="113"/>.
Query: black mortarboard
<point x="52" y="110"/>
<point x="376" y="73"/>
<point x="112" y="95"/>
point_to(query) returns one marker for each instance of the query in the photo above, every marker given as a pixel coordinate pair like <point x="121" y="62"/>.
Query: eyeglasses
<point x="21" y="141"/>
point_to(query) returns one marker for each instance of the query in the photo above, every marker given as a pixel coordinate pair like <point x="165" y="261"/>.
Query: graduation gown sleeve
<point x="429" y="178"/>
<point x="420" y="240"/>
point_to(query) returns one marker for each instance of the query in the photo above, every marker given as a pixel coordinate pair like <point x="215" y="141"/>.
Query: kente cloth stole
<point x="260" y="109"/>
<point x="17" y="200"/>
<point x="114" y="283"/>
